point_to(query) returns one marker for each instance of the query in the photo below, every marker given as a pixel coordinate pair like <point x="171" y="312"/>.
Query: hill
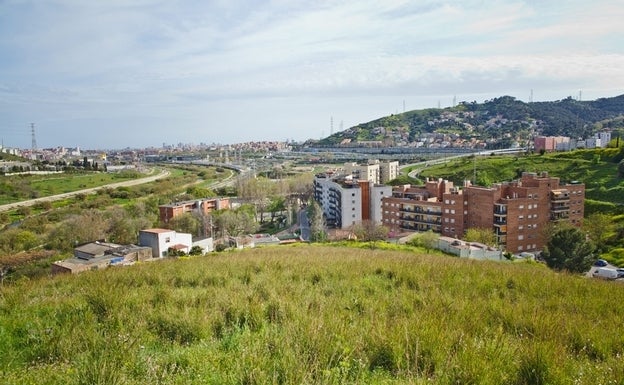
<point x="313" y="314"/>
<point x="500" y="122"/>
<point x="596" y="168"/>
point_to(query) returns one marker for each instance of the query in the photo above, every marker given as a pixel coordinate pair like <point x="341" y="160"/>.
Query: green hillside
<point x="313" y="315"/>
<point x="500" y="121"/>
<point x="596" y="168"/>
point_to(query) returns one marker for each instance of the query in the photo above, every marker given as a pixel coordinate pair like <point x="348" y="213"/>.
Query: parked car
<point x="601" y="263"/>
<point x="606" y="273"/>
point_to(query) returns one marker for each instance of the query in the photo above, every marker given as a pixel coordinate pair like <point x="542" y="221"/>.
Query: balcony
<point x="558" y="208"/>
<point x="559" y="216"/>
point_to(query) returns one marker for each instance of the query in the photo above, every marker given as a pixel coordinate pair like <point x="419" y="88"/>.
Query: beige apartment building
<point x="374" y="171"/>
<point x="517" y="212"/>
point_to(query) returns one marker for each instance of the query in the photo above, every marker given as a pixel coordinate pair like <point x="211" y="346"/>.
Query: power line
<point x="34" y="139"/>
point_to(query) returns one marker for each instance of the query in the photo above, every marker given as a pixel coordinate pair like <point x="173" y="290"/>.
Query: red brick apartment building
<point x="517" y="211"/>
<point x="204" y="206"/>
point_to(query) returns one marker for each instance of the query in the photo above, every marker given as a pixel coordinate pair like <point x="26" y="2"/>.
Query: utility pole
<point x="474" y="169"/>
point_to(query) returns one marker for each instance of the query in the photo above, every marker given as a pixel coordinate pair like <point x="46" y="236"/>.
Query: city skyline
<point x="141" y="73"/>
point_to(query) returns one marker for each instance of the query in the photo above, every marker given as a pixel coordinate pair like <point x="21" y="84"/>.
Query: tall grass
<point x="313" y="315"/>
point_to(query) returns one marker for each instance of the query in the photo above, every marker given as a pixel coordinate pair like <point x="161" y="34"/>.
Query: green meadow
<point x="16" y="188"/>
<point x="313" y="314"/>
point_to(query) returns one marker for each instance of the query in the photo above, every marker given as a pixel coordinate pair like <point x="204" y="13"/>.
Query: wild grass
<point x="21" y="187"/>
<point x="313" y="315"/>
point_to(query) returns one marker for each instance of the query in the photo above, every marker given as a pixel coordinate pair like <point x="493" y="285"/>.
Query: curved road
<point x="134" y="182"/>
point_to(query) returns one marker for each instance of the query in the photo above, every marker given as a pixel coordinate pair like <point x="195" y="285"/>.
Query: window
<point x="521" y="207"/>
<point x="520" y="217"/>
<point x="452" y="211"/>
<point x="452" y="202"/>
<point x="452" y="220"/>
<point x="520" y="237"/>
<point x="167" y="239"/>
<point x="520" y="227"/>
<point x="530" y="207"/>
<point x="446" y="211"/>
<point x="446" y="201"/>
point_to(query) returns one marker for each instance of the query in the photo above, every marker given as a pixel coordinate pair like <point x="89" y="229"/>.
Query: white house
<point x="161" y="240"/>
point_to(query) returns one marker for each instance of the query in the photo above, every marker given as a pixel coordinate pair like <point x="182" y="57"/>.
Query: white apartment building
<point x="346" y="202"/>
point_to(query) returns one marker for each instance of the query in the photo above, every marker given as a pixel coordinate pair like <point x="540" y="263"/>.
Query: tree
<point x="185" y="223"/>
<point x="569" y="250"/>
<point x="600" y="229"/>
<point x="317" y="223"/>
<point x="369" y="231"/>
<point x="15" y="240"/>
<point x="427" y="240"/>
<point x="89" y="226"/>
<point x="480" y="235"/>
<point x="235" y="222"/>
<point x="277" y="205"/>
<point x="621" y="169"/>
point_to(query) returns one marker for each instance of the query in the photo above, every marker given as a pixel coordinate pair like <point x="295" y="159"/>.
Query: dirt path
<point x="134" y="182"/>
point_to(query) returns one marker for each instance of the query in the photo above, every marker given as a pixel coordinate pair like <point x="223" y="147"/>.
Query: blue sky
<point x="138" y="73"/>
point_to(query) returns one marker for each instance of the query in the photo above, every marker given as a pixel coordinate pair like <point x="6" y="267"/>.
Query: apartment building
<point x="203" y="206"/>
<point x="517" y="211"/>
<point x="374" y="171"/>
<point x="346" y="201"/>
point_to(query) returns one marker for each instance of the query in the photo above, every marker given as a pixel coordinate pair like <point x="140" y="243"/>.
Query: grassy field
<point x="313" y="315"/>
<point x="16" y="188"/>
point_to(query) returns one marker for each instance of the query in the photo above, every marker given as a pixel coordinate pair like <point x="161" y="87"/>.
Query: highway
<point x="421" y="165"/>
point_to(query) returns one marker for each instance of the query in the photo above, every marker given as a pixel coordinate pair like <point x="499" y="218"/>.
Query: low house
<point x="472" y="250"/>
<point x="100" y="255"/>
<point x="161" y="240"/>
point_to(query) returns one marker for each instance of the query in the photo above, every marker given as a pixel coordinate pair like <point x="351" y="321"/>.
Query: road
<point x="422" y="165"/>
<point x="304" y="225"/>
<point x="51" y="198"/>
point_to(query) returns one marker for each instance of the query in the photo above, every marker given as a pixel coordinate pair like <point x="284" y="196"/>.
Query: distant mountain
<point x="498" y="122"/>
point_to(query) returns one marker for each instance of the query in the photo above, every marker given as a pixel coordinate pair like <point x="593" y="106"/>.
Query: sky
<point x="138" y="73"/>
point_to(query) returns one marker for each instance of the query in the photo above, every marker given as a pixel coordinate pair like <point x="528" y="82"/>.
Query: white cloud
<point x="128" y="61"/>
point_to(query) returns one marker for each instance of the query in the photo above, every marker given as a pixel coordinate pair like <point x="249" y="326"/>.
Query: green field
<point x="17" y="188"/>
<point x="313" y="315"/>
